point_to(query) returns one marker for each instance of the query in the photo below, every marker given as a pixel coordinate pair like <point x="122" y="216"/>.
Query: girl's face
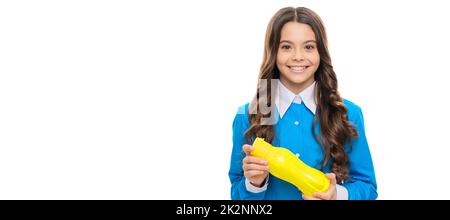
<point x="297" y="56"/>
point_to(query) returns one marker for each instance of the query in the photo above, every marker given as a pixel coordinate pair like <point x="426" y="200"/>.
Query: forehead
<point x="294" y="31"/>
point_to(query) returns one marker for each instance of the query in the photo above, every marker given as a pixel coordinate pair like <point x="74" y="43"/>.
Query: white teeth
<point x="298" y="68"/>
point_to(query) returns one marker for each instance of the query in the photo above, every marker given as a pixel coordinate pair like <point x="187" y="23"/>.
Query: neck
<point x="296" y="88"/>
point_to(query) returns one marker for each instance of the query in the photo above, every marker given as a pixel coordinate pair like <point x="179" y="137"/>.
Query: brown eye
<point x="309" y="47"/>
<point x="285" y="47"/>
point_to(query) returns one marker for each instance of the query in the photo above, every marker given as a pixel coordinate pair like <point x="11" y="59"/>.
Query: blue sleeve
<point x="236" y="174"/>
<point x="362" y="184"/>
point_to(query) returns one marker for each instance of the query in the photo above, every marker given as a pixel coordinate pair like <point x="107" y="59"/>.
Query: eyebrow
<point x="287" y="41"/>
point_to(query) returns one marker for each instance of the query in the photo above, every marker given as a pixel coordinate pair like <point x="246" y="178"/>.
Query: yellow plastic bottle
<point x="286" y="166"/>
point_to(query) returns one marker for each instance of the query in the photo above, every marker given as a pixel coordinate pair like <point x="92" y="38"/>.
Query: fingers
<point x="305" y="197"/>
<point x="250" y="159"/>
<point x="256" y="160"/>
<point x="332" y="178"/>
<point x="247" y="149"/>
<point x="330" y="194"/>
<point x="324" y="196"/>
<point x="252" y="166"/>
<point x="252" y="173"/>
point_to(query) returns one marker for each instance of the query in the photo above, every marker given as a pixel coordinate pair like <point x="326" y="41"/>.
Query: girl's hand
<point x="255" y="169"/>
<point x="330" y="194"/>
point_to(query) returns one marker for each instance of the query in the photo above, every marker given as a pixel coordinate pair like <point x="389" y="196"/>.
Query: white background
<point x="135" y="99"/>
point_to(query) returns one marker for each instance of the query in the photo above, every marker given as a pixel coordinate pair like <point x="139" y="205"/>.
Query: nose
<point x="298" y="55"/>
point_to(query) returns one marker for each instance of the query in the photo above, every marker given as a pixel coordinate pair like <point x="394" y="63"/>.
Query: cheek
<point x="315" y="59"/>
<point x="281" y="60"/>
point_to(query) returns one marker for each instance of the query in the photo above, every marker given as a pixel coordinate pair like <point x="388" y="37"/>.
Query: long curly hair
<point x="331" y="113"/>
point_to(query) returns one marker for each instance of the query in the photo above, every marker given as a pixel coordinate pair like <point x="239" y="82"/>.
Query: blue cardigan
<point x="293" y="131"/>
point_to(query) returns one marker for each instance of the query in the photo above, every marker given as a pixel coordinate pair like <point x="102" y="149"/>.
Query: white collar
<point x="285" y="98"/>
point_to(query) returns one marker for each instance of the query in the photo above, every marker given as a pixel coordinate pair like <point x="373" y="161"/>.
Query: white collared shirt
<point x="286" y="97"/>
<point x="283" y="101"/>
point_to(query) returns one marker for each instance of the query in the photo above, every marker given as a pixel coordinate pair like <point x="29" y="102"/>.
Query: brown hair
<point x="331" y="113"/>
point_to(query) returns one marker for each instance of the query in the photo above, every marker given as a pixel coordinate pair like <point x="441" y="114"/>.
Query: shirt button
<point x="297" y="155"/>
<point x="296" y="123"/>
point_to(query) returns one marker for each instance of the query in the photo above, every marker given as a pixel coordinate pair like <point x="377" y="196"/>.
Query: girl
<point x="297" y="106"/>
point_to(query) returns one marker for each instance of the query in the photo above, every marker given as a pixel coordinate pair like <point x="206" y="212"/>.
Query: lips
<point x="297" y="68"/>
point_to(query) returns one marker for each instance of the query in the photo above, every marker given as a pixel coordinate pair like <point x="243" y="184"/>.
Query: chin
<point x="298" y="79"/>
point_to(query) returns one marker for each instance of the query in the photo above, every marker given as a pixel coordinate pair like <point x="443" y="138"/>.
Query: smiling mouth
<point x="298" y="69"/>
